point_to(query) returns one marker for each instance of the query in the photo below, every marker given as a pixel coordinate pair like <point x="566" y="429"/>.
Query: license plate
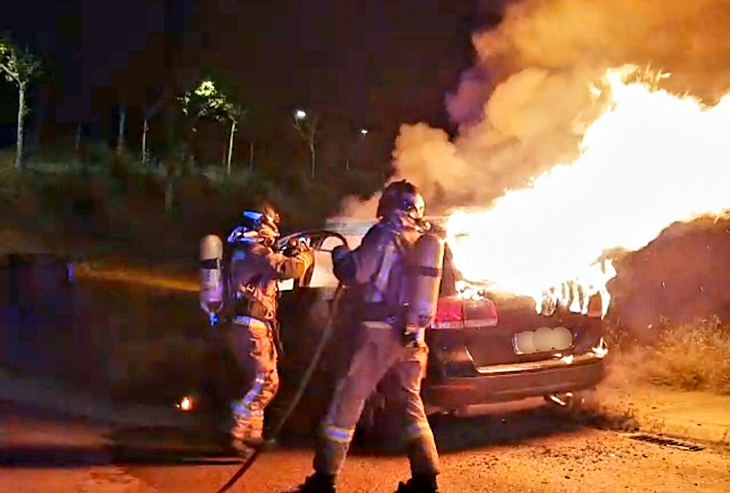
<point x="542" y="340"/>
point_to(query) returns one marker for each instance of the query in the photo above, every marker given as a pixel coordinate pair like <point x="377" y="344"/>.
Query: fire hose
<point x="313" y="363"/>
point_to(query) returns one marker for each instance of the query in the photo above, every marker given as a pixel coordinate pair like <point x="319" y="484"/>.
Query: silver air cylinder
<point x="212" y="286"/>
<point x="423" y="282"/>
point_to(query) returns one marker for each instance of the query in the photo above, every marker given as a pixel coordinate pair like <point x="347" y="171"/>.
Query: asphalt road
<point x="525" y="450"/>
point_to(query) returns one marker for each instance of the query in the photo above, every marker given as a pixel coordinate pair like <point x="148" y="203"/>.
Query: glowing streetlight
<point x="363" y="131"/>
<point x="307" y="128"/>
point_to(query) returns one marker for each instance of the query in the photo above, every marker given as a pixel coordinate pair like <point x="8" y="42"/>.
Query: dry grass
<point x="686" y="357"/>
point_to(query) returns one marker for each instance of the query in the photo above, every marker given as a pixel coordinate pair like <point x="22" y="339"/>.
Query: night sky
<point x="374" y="62"/>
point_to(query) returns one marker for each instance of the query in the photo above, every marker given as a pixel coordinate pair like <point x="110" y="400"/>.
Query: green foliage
<point x="19" y="66"/>
<point x="197" y="103"/>
<point x="119" y="199"/>
<point x="207" y="99"/>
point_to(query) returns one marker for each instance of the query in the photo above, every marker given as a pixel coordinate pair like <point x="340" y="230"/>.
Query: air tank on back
<point x="212" y="285"/>
<point x="423" y="282"/>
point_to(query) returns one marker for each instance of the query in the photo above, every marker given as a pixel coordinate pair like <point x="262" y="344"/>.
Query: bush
<point x="690" y="357"/>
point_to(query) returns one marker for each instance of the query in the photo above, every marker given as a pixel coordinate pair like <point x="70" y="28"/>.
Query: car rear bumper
<point x="503" y="383"/>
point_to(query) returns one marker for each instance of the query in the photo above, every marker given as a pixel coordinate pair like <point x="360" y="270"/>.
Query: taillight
<point x="455" y="313"/>
<point x="480" y="313"/>
<point x="449" y="314"/>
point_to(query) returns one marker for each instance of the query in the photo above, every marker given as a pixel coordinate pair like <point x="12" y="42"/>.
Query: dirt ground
<point x="518" y="450"/>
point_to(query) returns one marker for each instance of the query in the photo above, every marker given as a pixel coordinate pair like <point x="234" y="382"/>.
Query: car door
<point x="304" y="311"/>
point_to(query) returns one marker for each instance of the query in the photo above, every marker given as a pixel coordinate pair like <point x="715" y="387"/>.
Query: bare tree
<point x="122" y="130"/>
<point x="149" y="113"/>
<point x="20" y="67"/>
<point x="307" y="126"/>
<point x="235" y="114"/>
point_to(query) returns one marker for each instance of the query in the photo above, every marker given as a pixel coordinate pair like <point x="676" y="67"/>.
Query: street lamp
<point x="363" y="133"/>
<point x="307" y="128"/>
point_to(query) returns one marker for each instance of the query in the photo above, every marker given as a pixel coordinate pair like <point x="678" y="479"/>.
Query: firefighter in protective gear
<point x="375" y="269"/>
<point x="255" y="269"/>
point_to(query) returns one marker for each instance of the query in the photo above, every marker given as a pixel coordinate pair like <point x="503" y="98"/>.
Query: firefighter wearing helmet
<point x="251" y="306"/>
<point x="377" y="272"/>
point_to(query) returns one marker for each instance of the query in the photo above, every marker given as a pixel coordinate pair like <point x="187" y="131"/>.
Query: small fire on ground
<point x="185" y="404"/>
<point x="651" y="159"/>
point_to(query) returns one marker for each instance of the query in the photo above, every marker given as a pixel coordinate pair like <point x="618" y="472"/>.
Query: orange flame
<point x="186" y="404"/>
<point x="651" y="159"/>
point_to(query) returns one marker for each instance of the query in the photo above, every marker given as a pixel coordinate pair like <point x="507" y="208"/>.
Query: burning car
<point x="485" y="347"/>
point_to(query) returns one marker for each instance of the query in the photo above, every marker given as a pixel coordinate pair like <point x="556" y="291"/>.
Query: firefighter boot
<point x="247" y="436"/>
<point x="248" y="427"/>
<point x="241" y="449"/>
<point x="422" y="483"/>
<point x="318" y="483"/>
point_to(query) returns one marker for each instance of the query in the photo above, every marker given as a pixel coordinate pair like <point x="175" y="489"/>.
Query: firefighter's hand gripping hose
<point x="313" y="363"/>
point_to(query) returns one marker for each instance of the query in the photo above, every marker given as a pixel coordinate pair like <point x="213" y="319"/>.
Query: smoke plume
<point x="525" y="104"/>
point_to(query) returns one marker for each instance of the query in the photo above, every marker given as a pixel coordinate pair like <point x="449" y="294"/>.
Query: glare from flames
<point x="651" y="159"/>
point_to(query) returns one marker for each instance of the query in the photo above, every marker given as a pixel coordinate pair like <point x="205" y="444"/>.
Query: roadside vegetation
<point x="138" y="189"/>
<point x="113" y="208"/>
<point x="148" y="181"/>
<point x="690" y="357"/>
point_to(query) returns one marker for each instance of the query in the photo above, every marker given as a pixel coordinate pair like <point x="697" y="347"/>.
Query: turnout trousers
<point x="380" y="352"/>
<point x="252" y="343"/>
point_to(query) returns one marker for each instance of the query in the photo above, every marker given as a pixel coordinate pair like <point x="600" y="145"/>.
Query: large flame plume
<point x="525" y="105"/>
<point x="551" y="85"/>
<point x="651" y="159"/>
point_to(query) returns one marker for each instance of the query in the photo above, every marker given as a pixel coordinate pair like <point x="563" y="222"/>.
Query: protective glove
<point x="295" y="246"/>
<point x="434" y="229"/>
<point x="340" y="267"/>
<point x="339" y="253"/>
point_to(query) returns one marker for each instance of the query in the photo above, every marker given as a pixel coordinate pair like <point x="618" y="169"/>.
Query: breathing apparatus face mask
<point x="256" y="228"/>
<point x="414" y="206"/>
<point x="242" y="234"/>
<point x="409" y="212"/>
